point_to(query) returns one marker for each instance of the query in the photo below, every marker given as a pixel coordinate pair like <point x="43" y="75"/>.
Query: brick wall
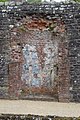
<point x="14" y="21"/>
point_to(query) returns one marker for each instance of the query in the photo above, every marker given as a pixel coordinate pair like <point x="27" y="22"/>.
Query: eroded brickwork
<point x="41" y="60"/>
<point x="64" y="83"/>
<point x="36" y="51"/>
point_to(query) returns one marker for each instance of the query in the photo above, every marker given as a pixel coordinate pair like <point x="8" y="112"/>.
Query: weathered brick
<point x="24" y="29"/>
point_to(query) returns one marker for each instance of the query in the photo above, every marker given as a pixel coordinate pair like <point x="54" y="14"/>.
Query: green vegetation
<point x="76" y="0"/>
<point x="3" y="0"/>
<point x="22" y="29"/>
<point x="33" y="1"/>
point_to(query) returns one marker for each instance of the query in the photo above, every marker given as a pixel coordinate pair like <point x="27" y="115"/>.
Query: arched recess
<point x="39" y="66"/>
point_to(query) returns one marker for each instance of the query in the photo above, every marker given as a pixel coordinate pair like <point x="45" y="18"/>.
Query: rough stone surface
<point x="34" y="117"/>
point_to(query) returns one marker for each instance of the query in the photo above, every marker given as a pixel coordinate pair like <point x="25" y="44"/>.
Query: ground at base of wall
<point x="34" y="117"/>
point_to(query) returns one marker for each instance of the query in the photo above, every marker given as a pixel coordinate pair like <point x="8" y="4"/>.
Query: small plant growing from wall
<point x="52" y="27"/>
<point x="22" y="29"/>
<point x="56" y="28"/>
